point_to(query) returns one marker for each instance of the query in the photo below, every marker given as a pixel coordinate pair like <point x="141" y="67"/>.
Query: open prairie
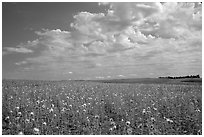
<point x="93" y="108"/>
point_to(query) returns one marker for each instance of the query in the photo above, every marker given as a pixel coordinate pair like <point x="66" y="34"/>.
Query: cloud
<point x="122" y="15"/>
<point x="120" y="75"/>
<point x="175" y="21"/>
<point x="17" y="50"/>
<point x="22" y="48"/>
<point x="99" y="77"/>
<point x="55" y="40"/>
<point x="20" y="63"/>
<point x="128" y="35"/>
<point x="135" y="11"/>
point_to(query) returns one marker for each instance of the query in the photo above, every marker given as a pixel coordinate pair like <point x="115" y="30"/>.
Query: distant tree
<point x="180" y="77"/>
<point x="198" y="76"/>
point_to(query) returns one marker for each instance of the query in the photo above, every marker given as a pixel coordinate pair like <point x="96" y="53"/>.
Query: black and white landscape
<point x="85" y="68"/>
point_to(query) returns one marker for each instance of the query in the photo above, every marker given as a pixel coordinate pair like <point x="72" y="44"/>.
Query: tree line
<point x="180" y="77"/>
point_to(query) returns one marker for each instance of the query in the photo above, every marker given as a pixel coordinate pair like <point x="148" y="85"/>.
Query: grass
<point x="184" y="81"/>
<point x="80" y="107"/>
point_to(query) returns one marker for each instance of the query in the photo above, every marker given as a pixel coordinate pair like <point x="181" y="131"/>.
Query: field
<point x="93" y="108"/>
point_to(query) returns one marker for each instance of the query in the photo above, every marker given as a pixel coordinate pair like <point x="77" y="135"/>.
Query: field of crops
<point x="91" y="108"/>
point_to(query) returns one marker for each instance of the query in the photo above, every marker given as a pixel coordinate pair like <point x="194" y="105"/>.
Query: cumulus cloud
<point x="175" y="20"/>
<point x="128" y="32"/>
<point x="122" y="15"/>
<point x="134" y="11"/>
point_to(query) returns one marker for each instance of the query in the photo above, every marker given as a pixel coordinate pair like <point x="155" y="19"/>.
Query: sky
<point x="63" y="41"/>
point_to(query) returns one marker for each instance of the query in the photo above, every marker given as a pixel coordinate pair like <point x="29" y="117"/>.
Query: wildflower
<point x="84" y="105"/>
<point x="19" y="113"/>
<point x="113" y="123"/>
<point x="31" y="113"/>
<point x="127" y="123"/>
<point x="140" y="125"/>
<point x="168" y="120"/>
<point x="17" y="118"/>
<point x="84" y="110"/>
<point x="7" y="118"/>
<point x="153" y="119"/>
<point x="51" y="110"/>
<point x="198" y="110"/>
<point x="152" y="127"/>
<point x="199" y="132"/>
<point x="63" y="109"/>
<point x="111" y="129"/>
<point x="143" y="111"/>
<point x="114" y="127"/>
<point x="20" y="133"/>
<point x="155" y="108"/>
<point x="27" y="120"/>
<point x="148" y="109"/>
<point x="87" y="118"/>
<point x="37" y="101"/>
<point x="129" y="131"/>
<point x="36" y="131"/>
<point x="96" y="116"/>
